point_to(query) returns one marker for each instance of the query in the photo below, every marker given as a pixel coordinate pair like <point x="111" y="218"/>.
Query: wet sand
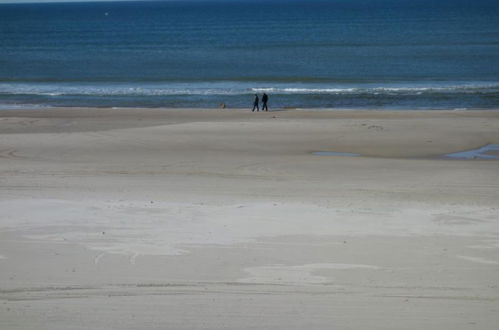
<point x="210" y="219"/>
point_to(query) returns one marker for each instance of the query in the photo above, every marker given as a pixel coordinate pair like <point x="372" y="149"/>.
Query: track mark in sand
<point x="28" y="122"/>
<point x="486" y="244"/>
<point x="479" y="260"/>
<point x="99" y="257"/>
<point x="447" y="219"/>
<point x="133" y="258"/>
<point x="301" y="274"/>
<point x="9" y="154"/>
<point x="45" y="289"/>
<point x="45" y="293"/>
<point x="465" y="298"/>
<point x="156" y="289"/>
<point x="260" y="170"/>
<point x="375" y="127"/>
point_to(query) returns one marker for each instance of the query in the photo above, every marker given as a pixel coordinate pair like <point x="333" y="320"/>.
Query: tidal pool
<point x="334" y="153"/>
<point x="490" y="151"/>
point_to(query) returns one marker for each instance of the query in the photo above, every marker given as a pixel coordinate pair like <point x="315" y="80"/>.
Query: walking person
<point x="265" y="99"/>
<point x="255" y="104"/>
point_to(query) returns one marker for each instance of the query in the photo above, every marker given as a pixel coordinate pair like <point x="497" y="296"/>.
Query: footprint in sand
<point x="376" y="127"/>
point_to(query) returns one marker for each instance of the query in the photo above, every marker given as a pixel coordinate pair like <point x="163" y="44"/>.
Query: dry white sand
<point x="224" y="219"/>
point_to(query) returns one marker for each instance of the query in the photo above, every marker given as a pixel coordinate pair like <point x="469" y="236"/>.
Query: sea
<point x="337" y="54"/>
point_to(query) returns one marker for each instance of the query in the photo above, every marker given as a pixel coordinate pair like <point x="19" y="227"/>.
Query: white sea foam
<point x="22" y="106"/>
<point x="415" y="90"/>
<point x="234" y="88"/>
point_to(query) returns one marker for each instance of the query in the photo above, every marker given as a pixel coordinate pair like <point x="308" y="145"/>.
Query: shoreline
<point x="293" y="112"/>
<point x="385" y="126"/>
<point x="14" y="107"/>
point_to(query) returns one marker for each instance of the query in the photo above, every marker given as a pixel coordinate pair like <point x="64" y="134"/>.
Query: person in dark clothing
<point x="265" y="99"/>
<point x="255" y="104"/>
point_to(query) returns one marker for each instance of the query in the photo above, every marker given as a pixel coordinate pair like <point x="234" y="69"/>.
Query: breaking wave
<point x="469" y="89"/>
<point x="228" y="88"/>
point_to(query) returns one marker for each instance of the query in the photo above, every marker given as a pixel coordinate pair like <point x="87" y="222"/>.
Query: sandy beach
<point x="226" y="219"/>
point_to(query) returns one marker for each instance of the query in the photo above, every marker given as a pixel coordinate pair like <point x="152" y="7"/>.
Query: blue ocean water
<point x="419" y="54"/>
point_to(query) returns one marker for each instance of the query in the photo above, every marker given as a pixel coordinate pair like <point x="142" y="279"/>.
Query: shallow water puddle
<point x="334" y="153"/>
<point x="490" y="151"/>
